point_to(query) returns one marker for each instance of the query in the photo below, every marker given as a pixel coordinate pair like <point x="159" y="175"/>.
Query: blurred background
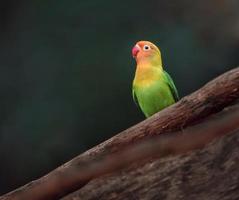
<point x="66" y="70"/>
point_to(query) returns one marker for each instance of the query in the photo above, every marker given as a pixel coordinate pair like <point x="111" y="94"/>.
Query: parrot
<point x="153" y="88"/>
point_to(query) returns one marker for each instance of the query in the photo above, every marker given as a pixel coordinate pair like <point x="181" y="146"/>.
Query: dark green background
<point x="66" y="70"/>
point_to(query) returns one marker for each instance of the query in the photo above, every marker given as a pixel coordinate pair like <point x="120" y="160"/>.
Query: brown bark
<point x="158" y="147"/>
<point x="210" y="99"/>
<point x="209" y="174"/>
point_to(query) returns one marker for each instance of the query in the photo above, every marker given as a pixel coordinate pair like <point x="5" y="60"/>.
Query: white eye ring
<point x="146" y="47"/>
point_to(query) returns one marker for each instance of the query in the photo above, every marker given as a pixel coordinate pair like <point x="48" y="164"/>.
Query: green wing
<point x="171" y="86"/>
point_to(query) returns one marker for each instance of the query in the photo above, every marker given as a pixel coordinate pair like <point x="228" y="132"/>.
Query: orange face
<point x="144" y="49"/>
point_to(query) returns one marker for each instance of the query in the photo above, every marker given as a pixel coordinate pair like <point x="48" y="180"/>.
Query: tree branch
<point x="209" y="174"/>
<point x="210" y="99"/>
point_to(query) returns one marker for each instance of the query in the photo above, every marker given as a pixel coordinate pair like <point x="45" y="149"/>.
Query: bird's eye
<point x="146" y="47"/>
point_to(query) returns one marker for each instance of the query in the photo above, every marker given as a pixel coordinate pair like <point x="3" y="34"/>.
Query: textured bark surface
<point x="208" y="174"/>
<point x="210" y="99"/>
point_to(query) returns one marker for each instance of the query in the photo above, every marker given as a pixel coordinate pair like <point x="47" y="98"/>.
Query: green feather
<point x="135" y="97"/>
<point x="171" y="86"/>
<point x="158" y="95"/>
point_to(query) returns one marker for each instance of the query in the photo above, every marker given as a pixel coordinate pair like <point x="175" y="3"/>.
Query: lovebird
<point x="153" y="89"/>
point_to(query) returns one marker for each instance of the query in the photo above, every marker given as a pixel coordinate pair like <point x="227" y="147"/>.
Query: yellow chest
<point x="145" y="76"/>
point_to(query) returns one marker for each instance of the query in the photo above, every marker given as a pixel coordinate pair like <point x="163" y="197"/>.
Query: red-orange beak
<point x="135" y="51"/>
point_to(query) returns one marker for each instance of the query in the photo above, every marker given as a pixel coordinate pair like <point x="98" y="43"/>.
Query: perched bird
<point x="153" y="88"/>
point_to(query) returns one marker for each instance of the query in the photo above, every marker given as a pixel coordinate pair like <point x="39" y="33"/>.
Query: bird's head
<point x="146" y="52"/>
